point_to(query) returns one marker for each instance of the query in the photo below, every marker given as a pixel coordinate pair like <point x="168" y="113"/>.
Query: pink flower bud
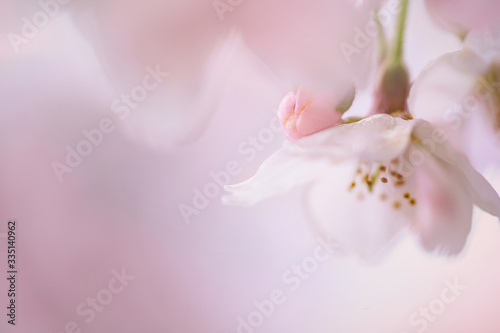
<point x="302" y="114"/>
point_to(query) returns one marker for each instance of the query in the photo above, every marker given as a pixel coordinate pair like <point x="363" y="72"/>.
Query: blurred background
<point x="120" y="122"/>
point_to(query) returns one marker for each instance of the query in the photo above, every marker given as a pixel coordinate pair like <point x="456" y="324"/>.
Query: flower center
<point x="384" y="181"/>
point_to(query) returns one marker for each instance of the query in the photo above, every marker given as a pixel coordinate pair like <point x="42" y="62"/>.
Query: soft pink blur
<point x="460" y="16"/>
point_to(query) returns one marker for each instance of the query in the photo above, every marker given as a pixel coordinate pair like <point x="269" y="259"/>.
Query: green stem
<point x="400" y="30"/>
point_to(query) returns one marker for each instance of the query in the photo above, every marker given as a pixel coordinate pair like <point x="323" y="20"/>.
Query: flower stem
<point x="394" y="85"/>
<point x="400" y="30"/>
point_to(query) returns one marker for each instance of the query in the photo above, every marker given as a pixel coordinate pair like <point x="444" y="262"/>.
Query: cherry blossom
<point x="460" y="92"/>
<point x="375" y="178"/>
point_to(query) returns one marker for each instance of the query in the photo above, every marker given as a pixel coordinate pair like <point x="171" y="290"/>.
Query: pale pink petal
<point x="444" y="213"/>
<point x="307" y="159"/>
<point x="286" y="108"/>
<point x="486" y="43"/>
<point x="364" y="223"/>
<point x="319" y="112"/>
<point x="460" y="16"/>
<point x="281" y="172"/>
<point x="461" y="171"/>
<point x="376" y="138"/>
<point x="439" y="92"/>
<point x="481" y="137"/>
<point x="175" y="114"/>
<point x="182" y="37"/>
<point x="454" y="94"/>
<point x="302" y="41"/>
<point x="306" y="113"/>
<point x="287" y="114"/>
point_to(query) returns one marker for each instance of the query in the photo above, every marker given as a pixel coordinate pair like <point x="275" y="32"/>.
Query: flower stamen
<point x="368" y="173"/>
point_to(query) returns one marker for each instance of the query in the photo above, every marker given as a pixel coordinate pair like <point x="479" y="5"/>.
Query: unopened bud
<point x="393" y="90"/>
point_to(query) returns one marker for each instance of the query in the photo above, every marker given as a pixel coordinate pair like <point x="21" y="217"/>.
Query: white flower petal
<point x="444" y="211"/>
<point x="486" y="43"/>
<point x="363" y="222"/>
<point x="377" y="138"/>
<point x="281" y="172"/>
<point x="460" y="16"/>
<point x="445" y="82"/>
<point x="482" y="193"/>
<point x="481" y="139"/>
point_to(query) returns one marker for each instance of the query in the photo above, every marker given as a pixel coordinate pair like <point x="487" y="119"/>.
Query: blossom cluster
<point x="413" y="163"/>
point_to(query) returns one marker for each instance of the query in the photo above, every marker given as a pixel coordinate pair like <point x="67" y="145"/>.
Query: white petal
<point x="452" y="96"/>
<point x="481" y="139"/>
<point x="460" y="16"/>
<point x="290" y="37"/>
<point x="281" y="172"/>
<point x="444" y="213"/>
<point x="482" y="193"/>
<point x="445" y="82"/>
<point x="377" y="138"/>
<point x="363" y="222"/>
<point x="486" y="43"/>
